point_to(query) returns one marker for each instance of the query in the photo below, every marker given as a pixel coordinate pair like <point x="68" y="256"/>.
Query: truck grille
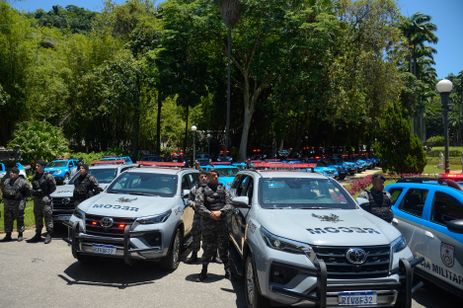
<point x="375" y="265"/>
<point x="63" y="203"/>
<point x="94" y="227"/>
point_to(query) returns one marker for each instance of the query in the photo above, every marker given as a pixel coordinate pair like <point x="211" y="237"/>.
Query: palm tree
<point x="419" y="31"/>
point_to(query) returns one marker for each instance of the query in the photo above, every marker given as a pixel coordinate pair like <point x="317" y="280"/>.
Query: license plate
<point x="357" y="298"/>
<point x="104" y="249"/>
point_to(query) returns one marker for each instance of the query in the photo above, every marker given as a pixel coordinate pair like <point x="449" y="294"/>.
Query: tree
<point x="39" y="140"/>
<point x="398" y="149"/>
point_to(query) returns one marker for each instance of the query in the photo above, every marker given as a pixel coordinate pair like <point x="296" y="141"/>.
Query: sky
<point x="446" y="14"/>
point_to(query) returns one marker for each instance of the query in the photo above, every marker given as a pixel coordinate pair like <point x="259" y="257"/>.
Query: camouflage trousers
<point x="14" y="210"/>
<point x="196" y="233"/>
<point x="43" y="210"/>
<point x="215" y="236"/>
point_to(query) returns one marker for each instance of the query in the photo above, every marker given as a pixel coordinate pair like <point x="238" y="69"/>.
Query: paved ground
<point x="38" y="275"/>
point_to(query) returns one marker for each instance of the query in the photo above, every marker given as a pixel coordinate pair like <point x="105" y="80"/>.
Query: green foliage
<point x="73" y="18"/>
<point x="435" y="141"/>
<point x="398" y="149"/>
<point x="39" y="140"/>
<point x="88" y="158"/>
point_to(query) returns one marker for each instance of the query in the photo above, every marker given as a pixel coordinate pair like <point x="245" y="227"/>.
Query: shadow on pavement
<point x="210" y="277"/>
<point x="433" y="296"/>
<point x="112" y="273"/>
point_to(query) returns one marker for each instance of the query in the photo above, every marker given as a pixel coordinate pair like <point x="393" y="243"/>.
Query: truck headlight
<point x="79" y="213"/>
<point x="399" y="244"/>
<point x="154" y="219"/>
<point x="283" y="244"/>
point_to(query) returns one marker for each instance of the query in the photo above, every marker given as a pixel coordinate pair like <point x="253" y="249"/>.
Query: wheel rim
<point x="250" y="287"/>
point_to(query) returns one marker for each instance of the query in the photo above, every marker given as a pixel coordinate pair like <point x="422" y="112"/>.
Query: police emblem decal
<point x="124" y="200"/>
<point x="356" y="256"/>
<point x="446" y="254"/>
<point x="106" y="222"/>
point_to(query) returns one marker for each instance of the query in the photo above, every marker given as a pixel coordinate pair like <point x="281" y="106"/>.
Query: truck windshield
<point x="102" y="175"/>
<point x="303" y="193"/>
<point x="57" y="164"/>
<point x="140" y="183"/>
<point x="227" y="171"/>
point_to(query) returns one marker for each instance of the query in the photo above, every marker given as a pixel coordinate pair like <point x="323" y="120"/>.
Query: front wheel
<point x="172" y="260"/>
<point x="251" y="288"/>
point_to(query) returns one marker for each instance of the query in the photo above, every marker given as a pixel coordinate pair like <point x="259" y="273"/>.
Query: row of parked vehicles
<point x="295" y="237"/>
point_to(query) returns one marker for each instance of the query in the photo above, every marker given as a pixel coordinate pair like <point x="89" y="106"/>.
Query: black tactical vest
<point x="381" y="209"/>
<point x="214" y="200"/>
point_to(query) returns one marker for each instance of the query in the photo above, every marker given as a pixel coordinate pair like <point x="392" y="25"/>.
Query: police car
<point x="430" y="216"/>
<point x="62" y="169"/>
<point x="103" y="171"/>
<point x="299" y="238"/>
<point x="142" y="215"/>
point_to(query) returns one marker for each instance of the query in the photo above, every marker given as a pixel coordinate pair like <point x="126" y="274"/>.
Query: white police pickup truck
<point x="300" y="239"/>
<point x="142" y="215"/>
<point x="62" y="200"/>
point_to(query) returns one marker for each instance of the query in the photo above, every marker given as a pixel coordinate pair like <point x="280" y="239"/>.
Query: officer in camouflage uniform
<point x="213" y="205"/>
<point x="196" y="230"/>
<point x="15" y="189"/>
<point x="380" y="200"/>
<point x="43" y="184"/>
<point x="85" y="185"/>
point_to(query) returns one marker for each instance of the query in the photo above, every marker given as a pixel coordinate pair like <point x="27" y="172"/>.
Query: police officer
<point x="196" y="230"/>
<point x="379" y="200"/>
<point x="85" y="185"/>
<point x="15" y="189"/>
<point x="214" y="204"/>
<point x="43" y="184"/>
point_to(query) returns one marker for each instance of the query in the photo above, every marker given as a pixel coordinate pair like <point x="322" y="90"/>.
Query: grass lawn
<point x="451" y="148"/>
<point x="433" y="162"/>
<point x="28" y="216"/>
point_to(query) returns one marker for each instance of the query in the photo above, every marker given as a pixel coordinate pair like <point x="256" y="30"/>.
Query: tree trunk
<point x="158" y="128"/>
<point x="248" y="113"/>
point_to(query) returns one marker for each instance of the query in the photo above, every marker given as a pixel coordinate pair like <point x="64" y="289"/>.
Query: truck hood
<point x="129" y="206"/>
<point x="63" y="191"/>
<point x="333" y="227"/>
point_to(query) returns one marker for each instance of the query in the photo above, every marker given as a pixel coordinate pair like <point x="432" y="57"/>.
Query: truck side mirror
<point x="363" y="203"/>
<point x="241" y="202"/>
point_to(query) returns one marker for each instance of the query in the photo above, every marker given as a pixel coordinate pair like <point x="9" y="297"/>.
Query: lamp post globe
<point x="444" y="87"/>
<point x="194" y="129"/>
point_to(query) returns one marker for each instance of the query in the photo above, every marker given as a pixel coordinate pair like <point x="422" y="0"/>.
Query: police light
<point x="160" y="164"/>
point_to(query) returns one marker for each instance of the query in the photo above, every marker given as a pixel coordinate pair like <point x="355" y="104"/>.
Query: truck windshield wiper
<point x="139" y="193"/>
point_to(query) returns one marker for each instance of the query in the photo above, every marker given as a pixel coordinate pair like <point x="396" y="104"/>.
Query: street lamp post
<point x="444" y="87"/>
<point x="229" y="9"/>
<point x="193" y="129"/>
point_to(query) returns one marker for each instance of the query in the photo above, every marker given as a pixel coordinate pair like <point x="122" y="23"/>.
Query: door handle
<point x="429" y="234"/>
<point x="395" y="221"/>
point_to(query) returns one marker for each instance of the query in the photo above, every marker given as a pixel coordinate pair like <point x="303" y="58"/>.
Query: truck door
<point x="444" y="253"/>
<point x="244" y="187"/>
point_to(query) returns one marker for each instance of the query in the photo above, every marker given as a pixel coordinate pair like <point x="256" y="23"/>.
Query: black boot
<point x="37" y="238"/>
<point x="7" y="237"/>
<point x="20" y="236"/>
<point x="47" y="238"/>
<point x="193" y="258"/>
<point x="203" y="274"/>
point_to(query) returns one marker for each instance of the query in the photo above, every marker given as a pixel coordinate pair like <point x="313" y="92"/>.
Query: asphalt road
<point x="38" y="275"/>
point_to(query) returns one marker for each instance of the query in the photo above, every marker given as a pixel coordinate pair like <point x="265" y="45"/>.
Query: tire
<point x="172" y="260"/>
<point x="251" y="287"/>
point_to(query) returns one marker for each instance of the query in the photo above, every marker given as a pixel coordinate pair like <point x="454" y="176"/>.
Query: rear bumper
<point x="132" y="246"/>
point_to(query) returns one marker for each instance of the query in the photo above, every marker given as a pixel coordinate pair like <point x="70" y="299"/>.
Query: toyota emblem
<point x="106" y="222"/>
<point x="356" y="256"/>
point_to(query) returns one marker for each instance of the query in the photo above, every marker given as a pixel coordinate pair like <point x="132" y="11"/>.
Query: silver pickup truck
<point x="142" y="215"/>
<point x="300" y="239"/>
